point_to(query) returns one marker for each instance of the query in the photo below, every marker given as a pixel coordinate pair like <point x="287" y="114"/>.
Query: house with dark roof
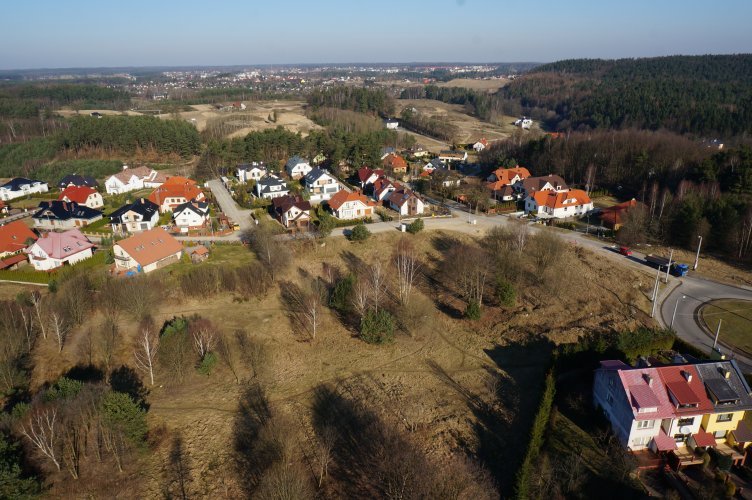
<point x="147" y="251"/>
<point x="78" y="181"/>
<point x="55" y="250"/>
<point x="293" y="212"/>
<point x="406" y="202"/>
<point x="191" y="215"/>
<point x="548" y="182"/>
<point x="18" y="187"/>
<point x="296" y="167"/>
<point x="320" y="185"/>
<point x="270" y="186"/>
<point x="58" y="214"/>
<point x="140" y="215"/>
<point x="14" y="237"/>
<point x="246" y="172"/>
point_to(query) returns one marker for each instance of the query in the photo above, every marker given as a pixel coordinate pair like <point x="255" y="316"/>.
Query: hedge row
<point x="30" y="276"/>
<point x="537" y="433"/>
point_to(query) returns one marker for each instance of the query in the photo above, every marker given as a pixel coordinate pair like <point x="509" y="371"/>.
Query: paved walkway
<point x="240" y="216"/>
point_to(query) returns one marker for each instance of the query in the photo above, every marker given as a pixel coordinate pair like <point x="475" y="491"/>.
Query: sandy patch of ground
<point x="491" y="85"/>
<point x="88" y="112"/>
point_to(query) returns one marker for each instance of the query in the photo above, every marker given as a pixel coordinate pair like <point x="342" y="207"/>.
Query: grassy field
<point x="736" y="321"/>
<point x="491" y="85"/>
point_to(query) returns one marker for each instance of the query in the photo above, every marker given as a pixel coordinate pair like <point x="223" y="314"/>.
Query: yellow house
<point x="720" y="424"/>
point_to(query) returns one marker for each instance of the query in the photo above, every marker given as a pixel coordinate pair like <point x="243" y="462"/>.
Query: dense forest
<point x="703" y="95"/>
<point x="687" y="189"/>
<point x="364" y="100"/>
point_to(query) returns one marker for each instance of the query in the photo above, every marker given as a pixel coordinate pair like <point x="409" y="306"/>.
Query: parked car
<point x="625" y="251"/>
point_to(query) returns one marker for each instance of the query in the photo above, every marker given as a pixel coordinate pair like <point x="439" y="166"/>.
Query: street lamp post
<point x="668" y="267"/>
<point x="673" y="317"/>
<point x="717" y="331"/>
<point x="697" y="257"/>
<point x="655" y="292"/>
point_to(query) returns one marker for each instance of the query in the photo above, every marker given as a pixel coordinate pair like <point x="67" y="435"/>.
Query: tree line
<point x="364" y="100"/>
<point x="703" y="95"/>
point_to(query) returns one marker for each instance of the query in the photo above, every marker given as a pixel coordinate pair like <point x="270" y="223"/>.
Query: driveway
<point x="231" y="209"/>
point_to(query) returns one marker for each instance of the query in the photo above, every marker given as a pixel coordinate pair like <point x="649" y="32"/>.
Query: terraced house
<point x="676" y="409"/>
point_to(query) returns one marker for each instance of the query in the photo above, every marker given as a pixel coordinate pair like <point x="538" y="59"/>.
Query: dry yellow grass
<point x="490" y="85"/>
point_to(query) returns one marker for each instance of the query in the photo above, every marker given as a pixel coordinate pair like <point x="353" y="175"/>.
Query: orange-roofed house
<point x="147" y="251"/>
<point x="349" y="206"/>
<point x="613" y="217"/>
<point x="502" y="180"/>
<point x="14" y="237"/>
<point x="395" y="163"/>
<point x="175" y="192"/>
<point x="558" y="204"/>
<point x="83" y="195"/>
<point x="480" y="145"/>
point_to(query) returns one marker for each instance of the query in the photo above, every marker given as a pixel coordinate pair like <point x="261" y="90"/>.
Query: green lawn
<point x="736" y="321"/>
<point x="231" y="255"/>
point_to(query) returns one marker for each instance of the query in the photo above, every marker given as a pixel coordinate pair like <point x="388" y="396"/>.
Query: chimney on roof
<point x="125" y="167"/>
<point x="687" y="376"/>
<point x="643" y="362"/>
<point x="648" y="379"/>
<point x="725" y="372"/>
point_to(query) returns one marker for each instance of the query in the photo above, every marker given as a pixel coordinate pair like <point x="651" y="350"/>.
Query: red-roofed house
<point x="480" y="145"/>
<point x="395" y="163"/>
<point x="558" y="204"/>
<point x="175" y="192"/>
<point x="367" y="176"/>
<point x="55" y="250"/>
<point x="14" y="237"/>
<point x="382" y="188"/>
<point x="349" y="206"/>
<point x="83" y="195"/>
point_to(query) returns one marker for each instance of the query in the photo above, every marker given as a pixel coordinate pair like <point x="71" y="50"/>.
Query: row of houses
<point x="676" y="408"/>
<point x="546" y="196"/>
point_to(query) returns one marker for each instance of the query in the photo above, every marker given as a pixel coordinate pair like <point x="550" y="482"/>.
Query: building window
<point x="645" y="424"/>
<point x="640" y="441"/>
<point x="724" y="417"/>
<point x="719" y="434"/>
<point x="680" y="438"/>
<point x="686" y="421"/>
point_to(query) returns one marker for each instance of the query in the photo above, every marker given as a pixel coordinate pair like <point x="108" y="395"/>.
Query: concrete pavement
<point x="231" y="209"/>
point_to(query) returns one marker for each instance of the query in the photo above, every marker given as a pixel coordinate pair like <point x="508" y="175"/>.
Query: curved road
<point x="687" y="299"/>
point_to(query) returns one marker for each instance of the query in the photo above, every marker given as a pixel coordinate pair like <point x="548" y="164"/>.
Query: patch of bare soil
<point x="489" y="85"/>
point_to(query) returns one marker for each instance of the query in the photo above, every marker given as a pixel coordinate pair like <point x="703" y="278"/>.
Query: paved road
<point x="229" y="207"/>
<point x="687" y="299"/>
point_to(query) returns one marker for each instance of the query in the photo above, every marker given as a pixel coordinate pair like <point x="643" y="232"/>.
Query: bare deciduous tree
<point x="325" y="442"/>
<point x="407" y="264"/>
<point x="40" y="430"/>
<point x="307" y="305"/>
<point x="38" y="304"/>
<point x="147" y="347"/>
<point x="377" y="278"/>
<point x="59" y="328"/>
<point x="361" y="295"/>
<point x="204" y="335"/>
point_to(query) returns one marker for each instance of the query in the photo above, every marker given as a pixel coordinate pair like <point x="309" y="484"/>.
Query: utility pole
<point x="673" y="317"/>
<point x="697" y="257"/>
<point x="717" y="331"/>
<point x="668" y="268"/>
<point x="655" y="292"/>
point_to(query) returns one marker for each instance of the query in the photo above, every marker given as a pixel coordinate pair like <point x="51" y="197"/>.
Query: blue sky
<point x="87" y="33"/>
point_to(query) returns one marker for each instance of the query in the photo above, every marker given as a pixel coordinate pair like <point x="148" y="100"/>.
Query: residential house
<point x="141" y="215"/>
<point x="433" y="165"/>
<point x="83" y="195"/>
<point x="132" y="179"/>
<point x="450" y="156"/>
<point x="406" y="202"/>
<point x="395" y="164"/>
<point x="558" y="204"/>
<point x="353" y="205"/>
<point x="147" y="251"/>
<point x="199" y="254"/>
<point x="613" y="217"/>
<point x="19" y="187"/>
<point x="55" y="250"/>
<point x="14" y="237"/>
<point x="293" y="212"/>
<point x="668" y="408"/>
<point x="78" y="181"/>
<point x="509" y="176"/>
<point x="320" y="185"/>
<point x="297" y="168"/>
<point x="480" y="145"/>
<point x="270" y="187"/>
<point x="247" y="172"/>
<point x="191" y="215"/>
<point x="382" y="188"/>
<point x="174" y="192"/>
<point x="524" y="122"/>
<point x="386" y="151"/>
<point x="366" y="176"/>
<point x="445" y="177"/>
<point x="550" y="182"/>
<point x="391" y="124"/>
<point x="64" y="215"/>
<point x="419" y="151"/>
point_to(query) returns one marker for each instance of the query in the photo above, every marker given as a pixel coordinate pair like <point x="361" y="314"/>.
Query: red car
<point x="625" y="251"/>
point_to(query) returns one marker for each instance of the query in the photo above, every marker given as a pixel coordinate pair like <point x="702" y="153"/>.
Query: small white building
<point x="391" y="124"/>
<point x="406" y="202"/>
<point x="54" y="250"/>
<point x="296" y="167"/>
<point x="247" y="172"/>
<point x="191" y="215"/>
<point x="19" y="187"/>
<point x="132" y="179"/>
<point x="480" y="145"/>
<point x="524" y="122"/>
<point x="83" y="195"/>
